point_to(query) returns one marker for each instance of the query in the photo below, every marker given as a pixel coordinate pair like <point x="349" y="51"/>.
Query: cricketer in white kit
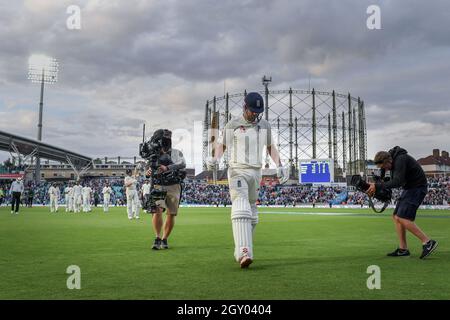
<point x="245" y="138"/>
<point x="145" y="190"/>
<point x="53" y="191"/>
<point x="106" y="197"/>
<point x="131" y="192"/>
<point x="67" y="197"/>
<point x="71" y="199"/>
<point x="77" y="198"/>
<point x="86" y="198"/>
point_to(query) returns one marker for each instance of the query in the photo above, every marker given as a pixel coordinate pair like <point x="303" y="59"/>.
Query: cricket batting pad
<point x="255" y="218"/>
<point x="241" y="218"/>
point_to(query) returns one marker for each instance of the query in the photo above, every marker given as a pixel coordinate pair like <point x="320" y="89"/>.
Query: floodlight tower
<point x="265" y="82"/>
<point x="42" y="69"/>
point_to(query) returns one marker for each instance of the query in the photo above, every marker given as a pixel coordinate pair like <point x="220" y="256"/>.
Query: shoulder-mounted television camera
<point x="151" y="150"/>
<point x="382" y="193"/>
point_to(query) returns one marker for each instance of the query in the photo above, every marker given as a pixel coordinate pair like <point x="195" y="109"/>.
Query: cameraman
<point x="171" y="161"/>
<point x="406" y="172"/>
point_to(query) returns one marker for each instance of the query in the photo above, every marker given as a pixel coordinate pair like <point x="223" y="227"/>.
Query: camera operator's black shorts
<point x="409" y="202"/>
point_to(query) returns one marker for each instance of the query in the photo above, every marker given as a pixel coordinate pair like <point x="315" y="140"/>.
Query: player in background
<point x="86" y="191"/>
<point x="106" y="197"/>
<point x="145" y="191"/>
<point x="53" y="192"/>
<point x="130" y="184"/>
<point x="67" y="197"/>
<point x="77" y="197"/>
<point x="30" y="197"/>
<point x="2" y="196"/>
<point x="70" y="199"/>
<point x="245" y="137"/>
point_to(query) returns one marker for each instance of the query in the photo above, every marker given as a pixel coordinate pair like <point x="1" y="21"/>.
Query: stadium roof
<point x="25" y="146"/>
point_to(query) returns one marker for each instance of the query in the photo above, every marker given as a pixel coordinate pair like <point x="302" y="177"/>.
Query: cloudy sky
<point x="157" y="62"/>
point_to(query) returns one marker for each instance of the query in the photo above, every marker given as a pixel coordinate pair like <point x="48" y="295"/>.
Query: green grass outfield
<point x="297" y="256"/>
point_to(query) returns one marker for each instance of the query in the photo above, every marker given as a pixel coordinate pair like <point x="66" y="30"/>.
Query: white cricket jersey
<point x="145" y="188"/>
<point x="77" y="190"/>
<point x="107" y="191"/>
<point x="132" y="186"/>
<point x="245" y="142"/>
<point x="52" y="191"/>
<point x="70" y="192"/>
<point x="66" y="191"/>
<point x="87" y="191"/>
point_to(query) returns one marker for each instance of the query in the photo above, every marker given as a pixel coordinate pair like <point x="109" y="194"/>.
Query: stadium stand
<point x="200" y="193"/>
<point x="25" y="149"/>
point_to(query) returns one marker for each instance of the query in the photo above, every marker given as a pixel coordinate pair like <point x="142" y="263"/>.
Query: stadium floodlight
<point x="266" y="80"/>
<point x="42" y="69"/>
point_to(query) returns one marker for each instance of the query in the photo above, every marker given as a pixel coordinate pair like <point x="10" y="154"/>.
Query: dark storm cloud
<point x="134" y="59"/>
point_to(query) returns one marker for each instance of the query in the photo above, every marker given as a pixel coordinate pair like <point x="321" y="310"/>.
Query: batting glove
<point x="211" y="163"/>
<point x="283" y="174"/>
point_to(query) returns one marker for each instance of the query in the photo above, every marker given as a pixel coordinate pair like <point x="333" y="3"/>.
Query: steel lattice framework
<point x="306" y="124"/>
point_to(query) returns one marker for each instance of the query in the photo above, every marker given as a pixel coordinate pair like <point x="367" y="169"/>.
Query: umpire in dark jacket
<point x="16" y="191"/>
<point x="406" y="173"/>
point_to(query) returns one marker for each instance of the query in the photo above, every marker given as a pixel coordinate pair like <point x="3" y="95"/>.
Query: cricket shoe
<point x="399" y="253"/>
<point x="164" y="244"/>
<point x="428" y="248"/>
<point x="245" y="261"/>
<point x="156" y="244"/>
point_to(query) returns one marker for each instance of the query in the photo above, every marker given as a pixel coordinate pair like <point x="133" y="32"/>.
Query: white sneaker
<point x="137" y="218"/>
<point x="130" y="218"/>
<point x="12" y="211"/>
<point x="17" y="212"/>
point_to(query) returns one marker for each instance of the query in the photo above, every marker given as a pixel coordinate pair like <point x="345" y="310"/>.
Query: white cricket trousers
<point x="106" y="201"/>
<point x="132" y="204"/>
<point x="53" y="203"/>
<point x="86" y="203"/>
